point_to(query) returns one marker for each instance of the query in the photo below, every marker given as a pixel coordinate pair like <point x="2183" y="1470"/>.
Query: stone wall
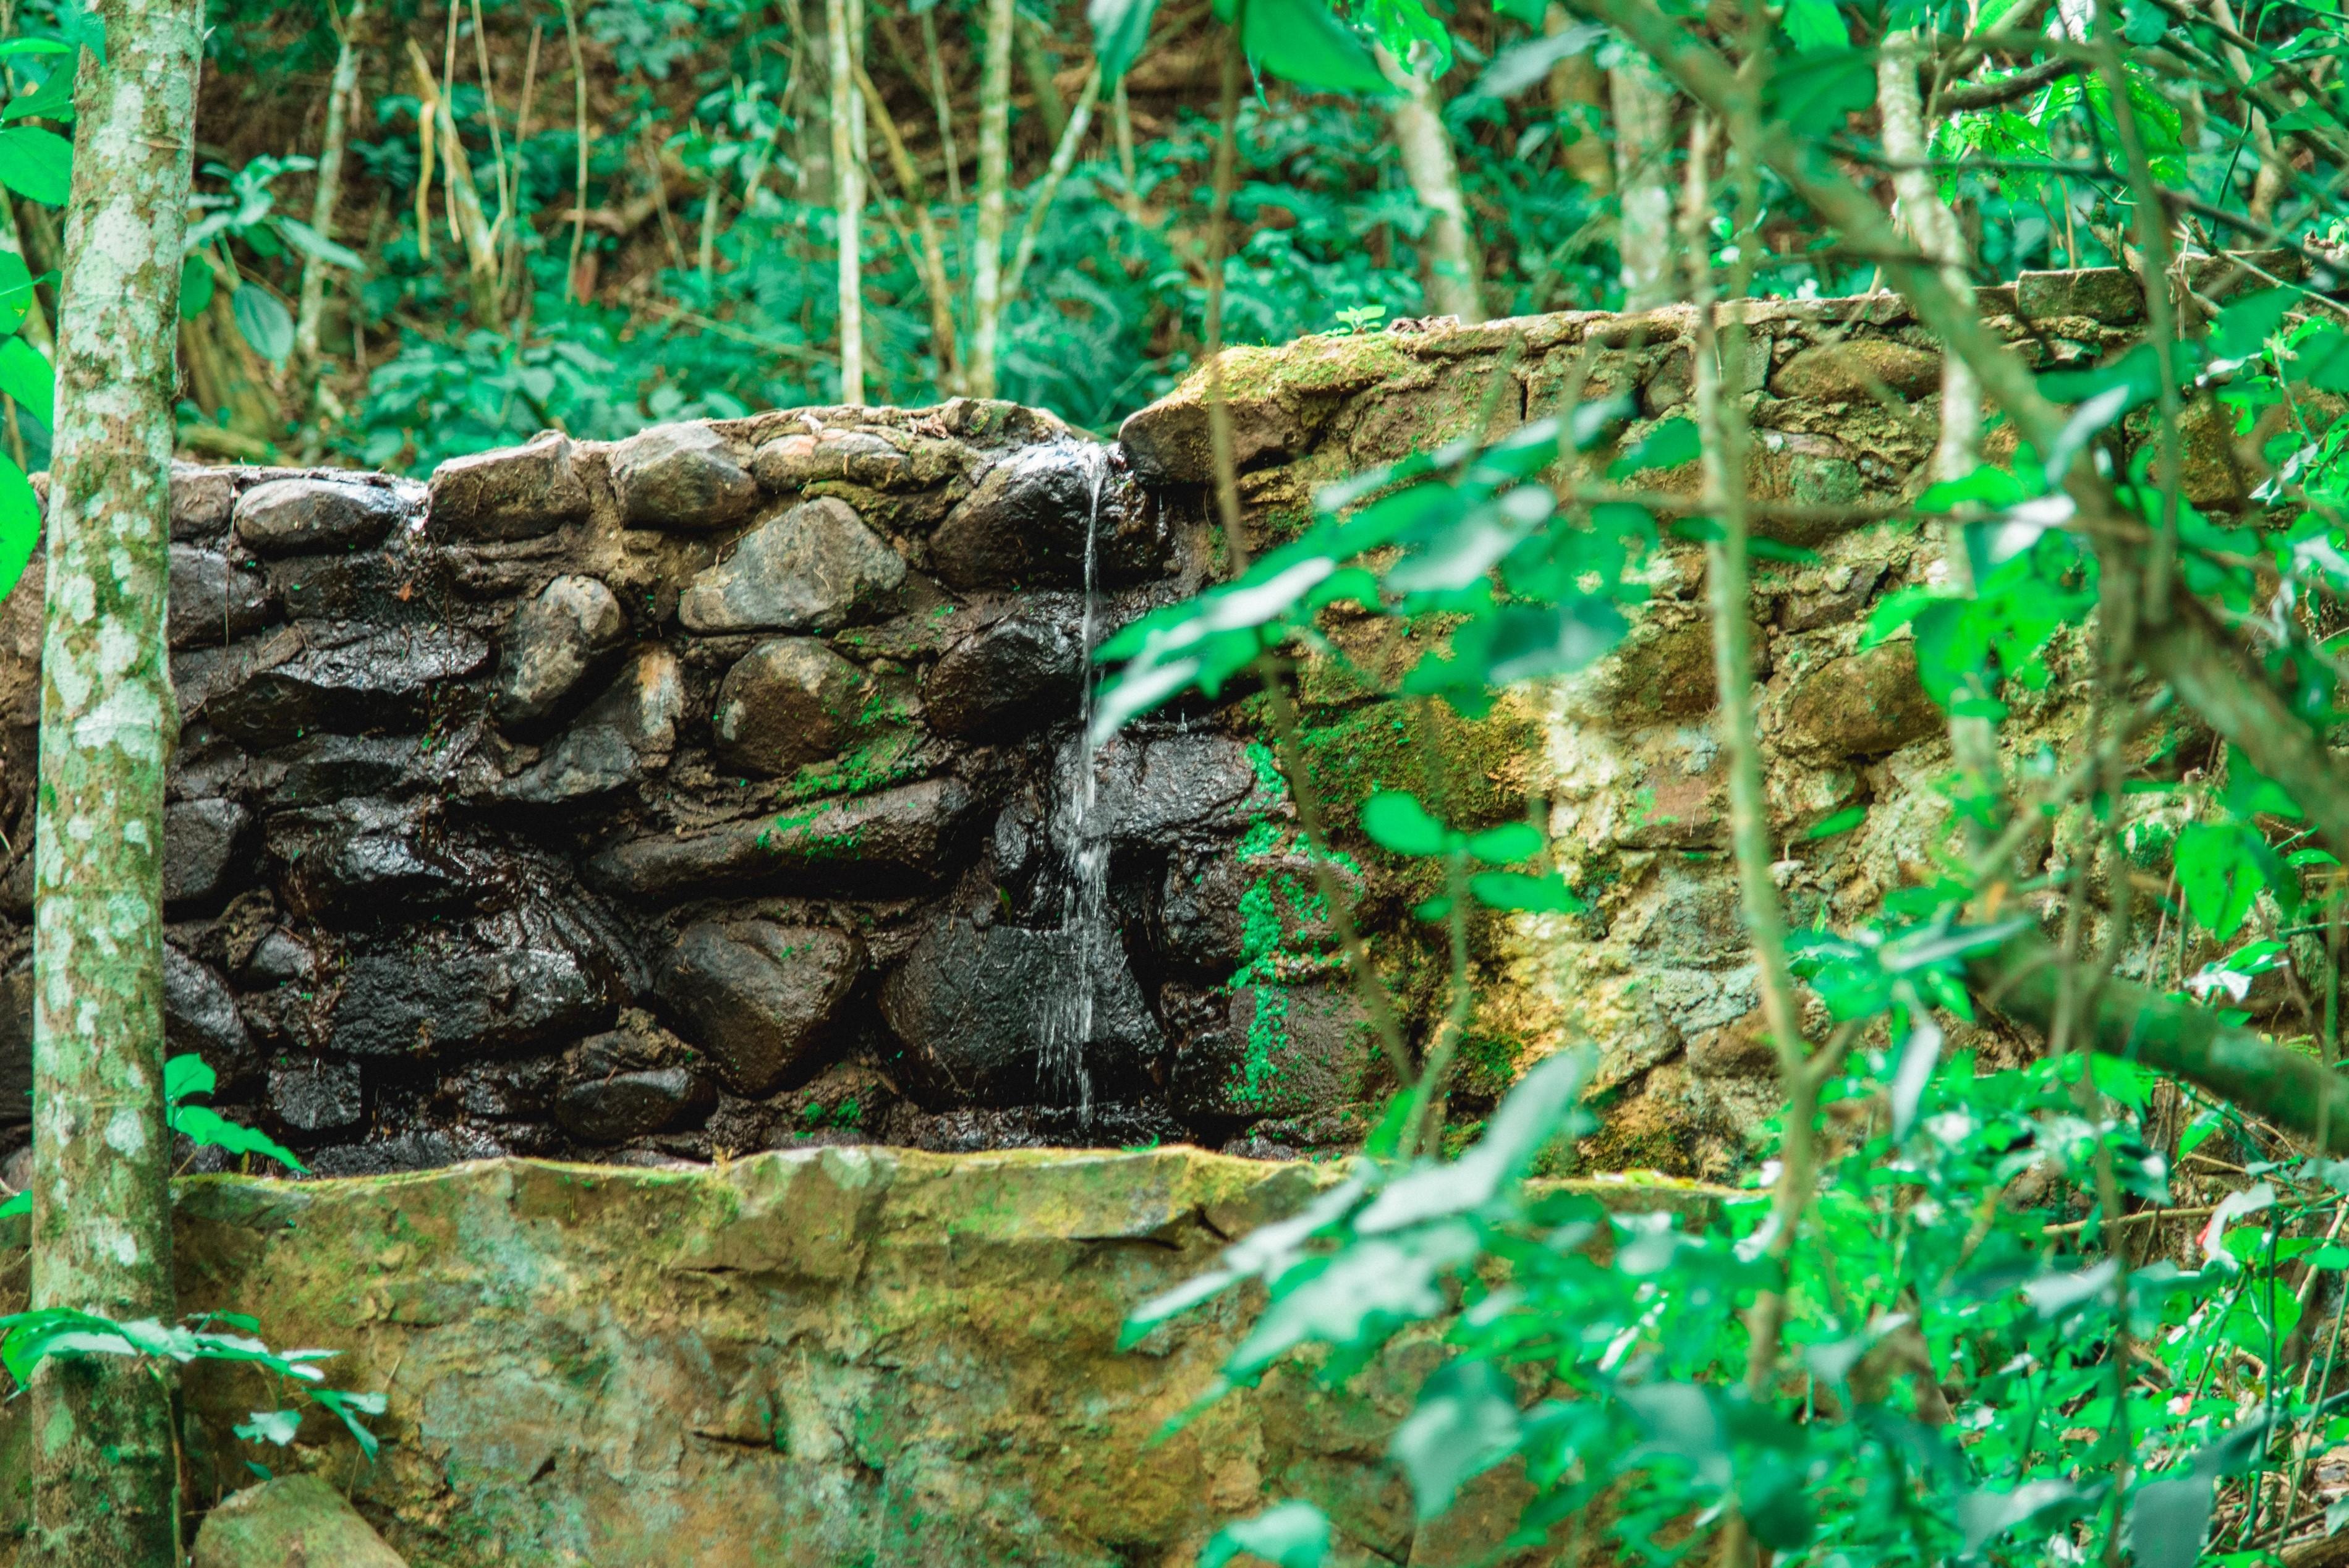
<point x="821" y="1358"/>
<point x="717" y="790"/>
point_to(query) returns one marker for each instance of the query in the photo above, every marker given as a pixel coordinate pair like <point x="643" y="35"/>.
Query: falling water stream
<point x="1084" y="853"/>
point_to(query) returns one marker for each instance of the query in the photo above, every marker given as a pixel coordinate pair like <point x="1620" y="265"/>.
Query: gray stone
<point x="499" y="984"/>
<point x="680" y="476"/>
<point x="314" y="517"/>
<point x="2108" y="295"/>
<point x="291" y="1521"/>
<point x="788" y="701"/>
<point x="324" y="768"/>
<point x="206" y="850"/>
<point x="518" y="492"/>
<point x="630" y="730"/>
<point x="974" y="1007"/>
<point x="214" y="602"/>
<point x="816" y="567"/>
<point x="1025" y="525"/>
<point x="1153" y="790"/>
<point x="554" y="643"/>
<point x="1011" y="677"/>
<point x="381" y="679"/>
<point x="316" y="1095"/>
<point x="1863" y="704"/>
<point x="360" y="859"/>
<point x="619" y="1106"/>
<point x="1858" y="369"/>
<point x="202" y="499"/>
<point x="900" y="840"/>
<point x="1219" y="908"/>
<point x="1283" y="1050"/>
<point x="758" y="999"/>
<point x="279" y="959"/>
<point x="871" y="459"/>
<point x="199" y="1016"/>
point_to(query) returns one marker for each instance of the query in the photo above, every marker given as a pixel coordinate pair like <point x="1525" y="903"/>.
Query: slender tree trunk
<point x="1064" y="157"/>
<point x="1453" y="272"/>
<point x="330" y="185"/>
<point x="848" y="199"/>
<point x="1643" y="149"/>
<point x="104" y="1471"/>
<point x="1576" y="90"/>
<point x="1037" y="66"/>
<point x="994" y="176"/>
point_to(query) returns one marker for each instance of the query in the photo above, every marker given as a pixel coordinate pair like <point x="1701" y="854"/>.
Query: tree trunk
<point x="1576" y="92"/>
<point x="1935" y="229"/>
<point x="104" y="1472"/>
<point x="848" y="199"/>
<point x="329" y="193"/>
<point x="1453" y="275"/>
<point x="994" y="175"/>
<point x="1643" y="150"/>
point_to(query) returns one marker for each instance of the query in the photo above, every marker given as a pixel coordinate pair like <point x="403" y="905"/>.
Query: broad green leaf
<point x="316" y="246"/>
<point x="1300" y="41"/>
<point x="25" y="375"/>
<point x="1667" y="445"/>
<point x="2245" y="325"/>
<point x="205" y="1126"/>
<point x="1816" y="25"/>
<point x="196" y="283"/>
<point x="1507" y="845"/>
<point x="1466" y="1422"/>
<point x="15" y="291"/>
<point x="1121" y="28"/>
<point x="52" y="100"/>
<point x="1528" y="894"/>
<point x="19" y="1203"/>
<point x="1291" y="1535"/>
<point x="2218" y="877"/>
<point x="2167" y="1519"/>
<point x="1985" y="1516"/>
<point x="185" y="1075"/>
<point x="1396" y="822"/>
<point x="36" y="164"/>
<point x="1843" y="821"/>
<point x="264" y="321"/>
<point x="1405" y="30"/>
<point x="20" y="524"/>
<point x="278" y="1426"/>
<point x="82" y="27"/>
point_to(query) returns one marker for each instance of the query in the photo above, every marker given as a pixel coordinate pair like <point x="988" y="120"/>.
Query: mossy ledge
<point x="815" y="1357"/>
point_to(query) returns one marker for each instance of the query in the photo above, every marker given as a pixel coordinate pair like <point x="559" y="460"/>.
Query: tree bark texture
<point x="1643" y="150"/>
<point x="848" y="205"/>
<point x="103" y="1468"/>
<point x="1453" y="272"/>
<point x="994" y="176"/>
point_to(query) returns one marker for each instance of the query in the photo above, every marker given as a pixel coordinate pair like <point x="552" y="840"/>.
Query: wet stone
<point x="758" y="999"/>
<point x="291" y="1521"/>
<point x="1859" y="370"/>
<point x="890" y="840"/>
<point x="2108" y="295"/>
<point x="629" y="730"/>
<point x="316" y="1095"/>
<point x="1025" y="524"/>
<point x="203" y="499"/>
<point x="790" y="700"/>
<point x="871" y="460"/>
<point x="623" y="1105"/>
<point x="279" y="959"/>
<point x="362" y="860"/>
<point x="1281" y="1050"/>
<point x="495" y="986"/>
<point x="317" y="517"/>
<point x="329" y="768"/>
<point x="680" y="476"/>
<point x="199" y="1016"/>
<point x="377" y="680"/>
<point x="1014" y="676"/>
<point x="214" y="602"/>
<point x="206" y="850"/>
<point x="1220" y="908"/>
<point x="816" y="567"/>
<point x="518" y="492"/>
<point x="556" y="642"/>
<point x="974" y="1005"/>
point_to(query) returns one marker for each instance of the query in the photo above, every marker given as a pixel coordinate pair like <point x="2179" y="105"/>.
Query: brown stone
<point x="1858" y="369"/>
<point x="2108" y="295"/>
<point x="1862" y="705"/>
<point x="291" y="1521"/>
<point x="517" y="492"/>
<point x="789" y="701"/>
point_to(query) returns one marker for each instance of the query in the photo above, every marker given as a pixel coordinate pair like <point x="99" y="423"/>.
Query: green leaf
<point x="1507" y="845"/>
<point x="36" y="164"/>
<point x="1815" y="26"/>
<point x="25" y="375"/>
<point x="15" y="291"/>
<point x="2245" y="325"/>
<point x="1121" y="28"/>
<point x="197" y="281"/>
<point x="1465" y="1423"/>
<point x="2143" y="22"/>
<point x="1291" y="1535"/>
<point x="277" y="1426"/>
<point x="20" y="1203"/>
<point x="1667" y="445"/>
<point x="1528" y="894"/>
<point x="186" y="1075"/>
<point x="316" y="246"/>
<point x="20" y="524"/>
<point x="204" y="1125"/>
<point x="264" y="321"/>
<point x="2218" y="877"/>
<point x="1843" y="821"/>
<point x="1396" y="822"/>
<point x="52" y="100"/>
<point x="1300" y="41"/>
<point x="82" y="27"/>
<point x="2167" y="1519"/>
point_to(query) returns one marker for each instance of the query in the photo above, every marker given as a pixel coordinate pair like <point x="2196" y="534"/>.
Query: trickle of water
<point x="1086" y="928"/>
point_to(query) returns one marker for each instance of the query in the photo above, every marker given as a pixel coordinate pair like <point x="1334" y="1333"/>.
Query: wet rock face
<point x="556" y="640"/>
<point x="815" y="568"/>
<point x="680" y="476"/>
<point x="759" y="996"/>
<point x="788" y="701"/>
<point x="317" y="517"/>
